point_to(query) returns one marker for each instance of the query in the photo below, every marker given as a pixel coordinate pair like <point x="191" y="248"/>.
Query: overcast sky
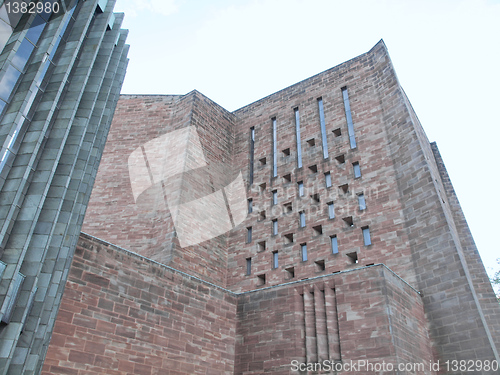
<point x="446" y="54"/>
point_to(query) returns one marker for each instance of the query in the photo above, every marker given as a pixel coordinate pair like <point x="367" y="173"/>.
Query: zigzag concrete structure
<point x="61" y="70"/>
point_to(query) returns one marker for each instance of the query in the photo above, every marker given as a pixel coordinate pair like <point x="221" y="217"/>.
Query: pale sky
<point x="446" y="54"/>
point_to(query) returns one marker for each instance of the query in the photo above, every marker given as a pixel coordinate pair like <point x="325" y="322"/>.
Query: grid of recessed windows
<point x="328" y="179"/>
<point x="297" y="133"/>
<point x="252" y="151"/>
<point x="303" y="252"/>
<point x="249" y="266"/>
<point x="275" y="149"/>
<point x="366" y="236"/>
<point x="348" y="115"/>
<point x="302" y="219"/>
<point x="275" y="259"/>
<point x="361" y="202"/>
<point x="331" y="210"/>
<point x="357" y="170"/>
<point x="300" y="184"/>
<point x="323" y="128"/>
<point x="275" y="197"/>
<point x="275" y="227"/>
<point x="334" y="244"/>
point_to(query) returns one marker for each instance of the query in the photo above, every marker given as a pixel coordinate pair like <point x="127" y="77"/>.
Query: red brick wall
<point x="380" y="319"/>
<point x="124" y="314"/>
<point x="378" y="182"/>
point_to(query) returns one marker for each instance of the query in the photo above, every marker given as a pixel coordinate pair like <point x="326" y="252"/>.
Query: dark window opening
<point x="344" y="188"/>
<point x="249" y="266"/>
<point x="262" y="161"/>
<point x="262" y="215"/>
<point x="287" y="178"/>
<point x="337" y="132"/>
<point x="290" y="273"/>
<point x="315" y="198"/>
<point x="286" y="152"/>
<point x="340" y="158"/>
<point x="349" y="221"/>
<point x="261" y="279"/>
<point x="288" y="238"/>
<point x="261" y="246"/>
<point x="318" y="229"/>
<point x="311" y="142"/>
<point x="249" y="234"/>
<point x="319" y="265"/>
<point x="313" y="168"/>
<point x="353" y="257"/>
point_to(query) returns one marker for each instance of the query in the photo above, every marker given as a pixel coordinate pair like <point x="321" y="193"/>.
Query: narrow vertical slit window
<point x="275" y="259"/>
<point x="301" y="188"/>
<point x="297" y="132"/>
<point x="275" y="197"/>
<point x="275" y="227"/>
<point x="249" y="266"/>
<point x="328" y="179"/>
<point x="357" y="170"/>
<point x="331" y="210"/>
<point x="362" y="202"/>
<point x="250" y="205"/>
<point x="252" y="151"/>
<point x="350" y="125"/>
<point x="302" y="219"/>
<point x="335" y="244"/>
<point x="249" y="234"/>
<point x="323" y="128"/>
<point x="303" y="251"/>
<point x="366" y="236"/>
<point x="275" y="149"/>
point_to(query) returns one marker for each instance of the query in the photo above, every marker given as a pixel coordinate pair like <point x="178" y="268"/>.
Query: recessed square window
<point x="262" y="161"/>
<point x="290" y="273"/>
<point x="262" y="215"/>
<point x="318" y="229"/>
<point x="334" y="244"/>
<point x="357" y="170"/>
<point x="287" y="178"/>
<point x="286" y="152"/>
<point x="311" y="142"/>
<point x="315" y="198"/>
<point x="275" y="197"/>
<point x="337" y="132"/>
<point x="349" y="221"/>
<point x="302" y="219"/>
<point x="287" y="208"/>
<point x="261" y="279"/>
<point x="275" y="227"/>
<point x="288" y="238"/>
<point x="261" y="246"/>
<point x="353" y="257"/>
<point x="300" y="185"/>
<point x="344" y="188"/>
<point x="262" y="187"/>
<point x="328" y="179"/>
<point x="313" y="168"/>
<point x="340" y="159"/>
<point x="366" y="236"/>
<point x="319" y="265"/>
<point x="303" y="252"/>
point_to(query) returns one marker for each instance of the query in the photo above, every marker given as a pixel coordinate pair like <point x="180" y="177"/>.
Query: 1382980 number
<point x="32" y="7"/>
<point x="471" y="365"/>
